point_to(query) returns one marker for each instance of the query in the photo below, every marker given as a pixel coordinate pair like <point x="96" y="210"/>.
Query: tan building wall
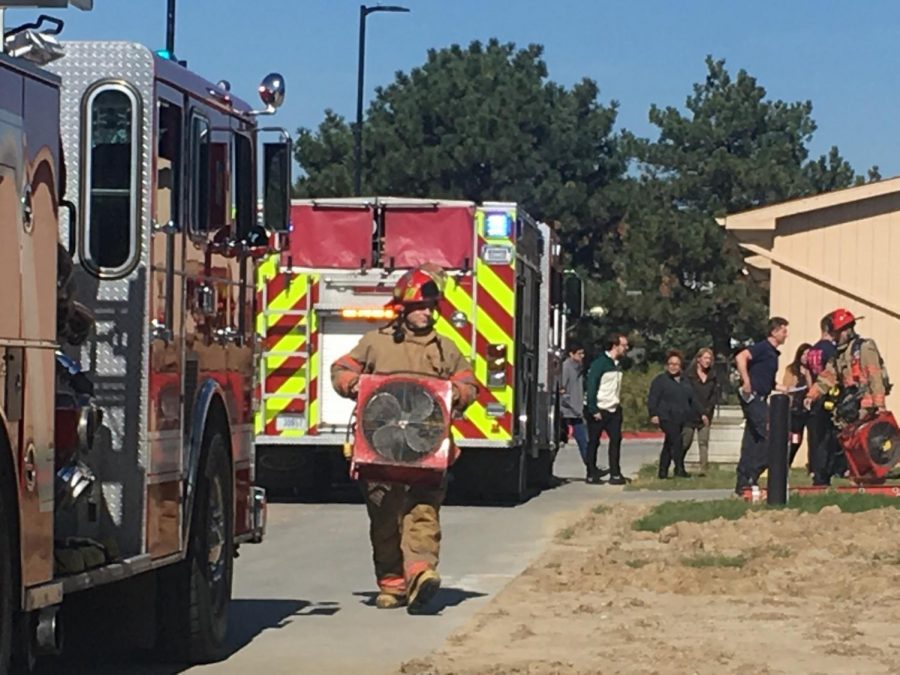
<point x="839" y="249"/>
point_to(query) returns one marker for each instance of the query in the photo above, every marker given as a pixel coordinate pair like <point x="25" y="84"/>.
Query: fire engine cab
<point x="128" y="253"/>
<point x="503" y="308"/>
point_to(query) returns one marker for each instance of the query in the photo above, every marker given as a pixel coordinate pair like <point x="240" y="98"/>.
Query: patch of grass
<point x="715" y="560"/>
<point x="672" y="512"/>
<point x="601" y="509"/>
<point x="636" y="564"/>
<point x="714" y="478"/>
<point x="848" y="501"/>
<point x="669" y="513"/>
<point x="777" y="551"/>
<point x="566" y="533"/>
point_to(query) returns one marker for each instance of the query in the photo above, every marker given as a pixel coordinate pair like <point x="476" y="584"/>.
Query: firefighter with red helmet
<point x="856" y="377"/>
<point x="404" y="523"/>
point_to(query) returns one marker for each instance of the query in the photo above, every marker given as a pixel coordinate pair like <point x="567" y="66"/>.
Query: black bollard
<point x="779" y="447"/>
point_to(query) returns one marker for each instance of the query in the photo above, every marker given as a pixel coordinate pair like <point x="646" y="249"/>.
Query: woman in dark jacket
<point x="702" y="377"/>
<point x="671" y="405"/>
<point x="797" y="376"/>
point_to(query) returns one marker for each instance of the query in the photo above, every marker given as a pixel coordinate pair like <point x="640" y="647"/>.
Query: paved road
<point x="302" y="599"/>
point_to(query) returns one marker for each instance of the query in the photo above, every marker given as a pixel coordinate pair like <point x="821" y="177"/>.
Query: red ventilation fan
<point x="402" y="429"/>
<point x="872" y="448"/>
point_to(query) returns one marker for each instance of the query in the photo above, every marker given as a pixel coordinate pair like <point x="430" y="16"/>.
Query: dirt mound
<point x="772" y="592"/>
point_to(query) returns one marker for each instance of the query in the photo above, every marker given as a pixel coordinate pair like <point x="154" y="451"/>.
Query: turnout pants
<point x="611" y="422"/>
<point x="405" y="532"/>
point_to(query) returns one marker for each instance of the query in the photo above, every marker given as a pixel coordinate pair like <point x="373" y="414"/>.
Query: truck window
<point x="168" y="164"/>
<point x="200" y="174"/>
<point x="111" y="177"/>
<point x="242" y="191"/>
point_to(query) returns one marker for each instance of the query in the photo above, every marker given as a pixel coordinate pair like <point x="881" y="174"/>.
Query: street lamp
<point x="170" y="28"/>
<point x="357" y="136"/>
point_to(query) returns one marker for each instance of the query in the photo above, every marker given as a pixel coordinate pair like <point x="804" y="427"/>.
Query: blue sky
<point x="841" y="55"/>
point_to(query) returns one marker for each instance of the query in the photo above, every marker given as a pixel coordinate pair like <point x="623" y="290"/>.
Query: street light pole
<point x="357" y="131"/>
<point x="170" y="29"/>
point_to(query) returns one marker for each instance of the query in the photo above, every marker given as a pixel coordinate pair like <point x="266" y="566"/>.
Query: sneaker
<point x="682" y="474"/>
<point x="618" y="479"/>
<point x="593" y="477"/>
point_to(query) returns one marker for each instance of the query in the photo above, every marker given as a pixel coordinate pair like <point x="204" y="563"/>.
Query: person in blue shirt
<point x="758" y="368"/>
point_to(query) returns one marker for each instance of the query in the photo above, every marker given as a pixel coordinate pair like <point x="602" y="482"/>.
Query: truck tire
<point x="192" y="615"/>
<point x="7" y="594"/>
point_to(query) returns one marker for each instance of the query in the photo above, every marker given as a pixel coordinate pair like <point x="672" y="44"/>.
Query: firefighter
<point x="856" y="376"/>
<point x="404" y="526"/>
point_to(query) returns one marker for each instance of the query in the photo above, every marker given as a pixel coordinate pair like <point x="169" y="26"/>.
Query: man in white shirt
<point x="603" y="409"/>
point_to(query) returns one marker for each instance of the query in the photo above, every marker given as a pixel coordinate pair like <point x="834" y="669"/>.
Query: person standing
<point x="603" y="410"/>
<point x="797" y="376"/>
<point x="758" y="368"/>
<point x="571" y="404"/>
<point x="858" y="370"/>
<point x="404" y="523"/>
<point x="705" y="386"/>
<point x="671" y="406"/>
<point x="825" y="454"/>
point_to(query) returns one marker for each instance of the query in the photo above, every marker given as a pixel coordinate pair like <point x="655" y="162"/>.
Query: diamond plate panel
<point x="116" y="356"/>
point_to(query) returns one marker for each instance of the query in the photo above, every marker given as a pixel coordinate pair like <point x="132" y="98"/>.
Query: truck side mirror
<point x="573" y="295"/>
<point x="277" y="186"/>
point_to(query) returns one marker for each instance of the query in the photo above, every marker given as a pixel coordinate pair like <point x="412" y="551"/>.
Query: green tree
<point x="485" y="123"/>
<point x="731" y="149"/>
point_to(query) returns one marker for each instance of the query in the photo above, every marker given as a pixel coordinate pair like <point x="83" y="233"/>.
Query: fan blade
<point x="424" y="437"/>
<point x="383" y="408"/>
<point x="420" y="404"/>
<point x="390" y="442"/>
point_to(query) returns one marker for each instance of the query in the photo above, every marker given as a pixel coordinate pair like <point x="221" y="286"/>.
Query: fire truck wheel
<point x="193" y="617"/>
<point x="6" y="588"/>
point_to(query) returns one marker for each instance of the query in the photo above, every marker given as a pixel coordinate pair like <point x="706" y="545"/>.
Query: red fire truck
<point x="503" y="309"/>
<point x="127" y="257"/>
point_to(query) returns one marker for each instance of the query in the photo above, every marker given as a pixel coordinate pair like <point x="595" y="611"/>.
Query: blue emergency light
<point x="497" y="226"/>
<point x="164" y="54"/>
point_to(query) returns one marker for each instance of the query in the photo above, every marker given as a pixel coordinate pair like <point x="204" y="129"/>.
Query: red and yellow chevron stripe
<point x="487" y="299"/>
<point x="289" y="364"/>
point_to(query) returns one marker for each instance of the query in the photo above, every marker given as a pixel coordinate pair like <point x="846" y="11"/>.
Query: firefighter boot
<point x="422" y="589"/>
<point x="391" y="592"/>
<point x="390" y="601"/>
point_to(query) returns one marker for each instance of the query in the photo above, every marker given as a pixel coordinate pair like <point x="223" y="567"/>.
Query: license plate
<point x="290" y="422"/>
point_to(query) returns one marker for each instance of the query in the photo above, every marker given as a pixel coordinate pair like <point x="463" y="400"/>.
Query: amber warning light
<point x="371" y="313"/>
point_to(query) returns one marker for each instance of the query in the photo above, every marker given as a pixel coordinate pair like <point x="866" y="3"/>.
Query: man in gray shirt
<point x="572" y="396"/>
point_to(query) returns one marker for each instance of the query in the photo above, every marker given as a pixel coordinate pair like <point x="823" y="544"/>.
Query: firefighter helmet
<point x="423" y="285"/>
<point x="841" y="319"/>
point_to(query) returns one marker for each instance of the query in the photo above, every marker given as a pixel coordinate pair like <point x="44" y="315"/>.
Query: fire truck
<point x="128" y="253"/>
<point x="503" y="308"/>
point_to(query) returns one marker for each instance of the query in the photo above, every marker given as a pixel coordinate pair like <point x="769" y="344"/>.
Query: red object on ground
<point x="872" y="448"/>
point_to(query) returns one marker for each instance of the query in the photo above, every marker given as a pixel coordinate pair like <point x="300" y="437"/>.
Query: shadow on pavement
<point x="445" y="598"/>
<point x="248" y="618"/>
